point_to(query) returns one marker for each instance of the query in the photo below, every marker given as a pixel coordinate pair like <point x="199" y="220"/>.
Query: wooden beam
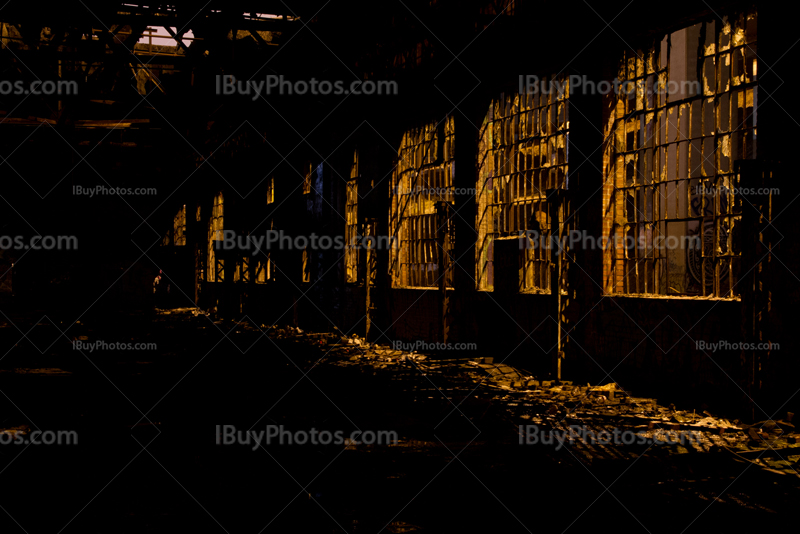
<point x="178" y="38"/>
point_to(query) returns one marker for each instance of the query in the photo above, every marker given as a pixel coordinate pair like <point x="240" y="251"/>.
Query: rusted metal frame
<point x="440" y="135"/>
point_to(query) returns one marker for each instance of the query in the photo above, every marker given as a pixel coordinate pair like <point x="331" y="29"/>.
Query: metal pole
<point x="556" y="197"/>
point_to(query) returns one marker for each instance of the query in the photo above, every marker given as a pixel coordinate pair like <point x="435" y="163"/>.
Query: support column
<point x="556" y="201"/>
<point x="443" y="230"/>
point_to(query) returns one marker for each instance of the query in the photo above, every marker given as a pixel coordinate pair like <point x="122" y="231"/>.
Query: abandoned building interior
<point x="619" y="208"/>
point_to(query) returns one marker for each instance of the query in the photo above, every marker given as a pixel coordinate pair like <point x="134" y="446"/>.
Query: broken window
<point x="422" y="177"/>
<point x="522" y="152"/>
<point x="263" y="260"/>
<point x="179" y="227"/>
<point x="308" y="172"/>
<point x="216" y="271"/>
<point x="351" y="223"/>
<point x="271" y="190"/>
<point x="306" y="265"/>
<point x="672" y="136"/>
<point x="242" y="271"/>
<point x="177" y="234"/>
<point x="161" y="41"/>
<point x="263" y="270"/>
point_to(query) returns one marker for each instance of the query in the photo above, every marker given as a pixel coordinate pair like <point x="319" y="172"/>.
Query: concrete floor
<point x="147" y="461"/>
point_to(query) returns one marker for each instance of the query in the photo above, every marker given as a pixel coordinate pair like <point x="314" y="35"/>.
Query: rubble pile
<point x="561" y="407"/>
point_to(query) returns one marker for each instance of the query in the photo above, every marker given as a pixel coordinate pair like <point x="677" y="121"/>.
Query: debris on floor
<point x="562" y="406"/>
